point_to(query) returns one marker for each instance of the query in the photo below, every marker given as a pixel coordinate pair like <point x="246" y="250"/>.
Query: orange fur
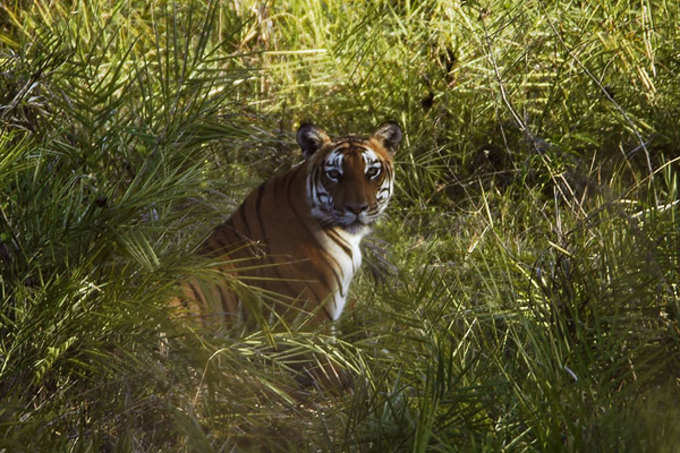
<point x="296" y="237"/>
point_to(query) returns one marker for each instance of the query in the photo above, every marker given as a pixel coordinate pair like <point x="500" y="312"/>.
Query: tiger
<point x="295" y="238"/>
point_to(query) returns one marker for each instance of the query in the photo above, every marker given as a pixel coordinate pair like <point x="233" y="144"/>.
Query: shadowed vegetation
<point x="521" y="293"/>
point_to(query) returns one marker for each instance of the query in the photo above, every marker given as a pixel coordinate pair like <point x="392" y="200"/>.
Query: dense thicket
<point x="522" y="293"/>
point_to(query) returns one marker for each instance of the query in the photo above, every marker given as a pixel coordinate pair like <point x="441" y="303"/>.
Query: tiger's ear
<point x="311" y="139"/>
<point x="389" y="135"/>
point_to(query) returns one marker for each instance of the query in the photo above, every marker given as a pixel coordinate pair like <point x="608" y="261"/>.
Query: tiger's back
<point x="296" y="237"/>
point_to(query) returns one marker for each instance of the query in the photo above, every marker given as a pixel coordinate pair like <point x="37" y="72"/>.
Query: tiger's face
<point x="350" y="180"/>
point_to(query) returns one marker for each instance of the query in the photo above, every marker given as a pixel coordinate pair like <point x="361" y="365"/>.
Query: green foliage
<point x="522" y="294"/>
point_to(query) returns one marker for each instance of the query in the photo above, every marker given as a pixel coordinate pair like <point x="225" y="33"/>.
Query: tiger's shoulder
<point x="296" y="237"/>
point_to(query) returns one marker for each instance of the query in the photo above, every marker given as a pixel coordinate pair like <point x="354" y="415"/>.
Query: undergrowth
<point x="521" y="293"/>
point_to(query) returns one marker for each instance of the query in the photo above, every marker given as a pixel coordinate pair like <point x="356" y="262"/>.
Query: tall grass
<point x="520" y="295"/>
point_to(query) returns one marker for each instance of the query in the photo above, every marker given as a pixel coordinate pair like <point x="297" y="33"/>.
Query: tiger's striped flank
<point x="296" y="237"/>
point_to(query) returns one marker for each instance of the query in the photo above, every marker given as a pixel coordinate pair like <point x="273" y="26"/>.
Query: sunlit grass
<point x="521" y="293"/>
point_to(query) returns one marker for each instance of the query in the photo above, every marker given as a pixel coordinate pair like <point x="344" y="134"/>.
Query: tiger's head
<point x="349" y="179"/>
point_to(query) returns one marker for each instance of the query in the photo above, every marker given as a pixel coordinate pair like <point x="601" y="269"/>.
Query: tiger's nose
<point x="356" y="208"/>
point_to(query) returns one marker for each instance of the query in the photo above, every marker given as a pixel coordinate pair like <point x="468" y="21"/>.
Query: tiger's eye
<point x="373" y="172"/>
<point x="333" y="175"/>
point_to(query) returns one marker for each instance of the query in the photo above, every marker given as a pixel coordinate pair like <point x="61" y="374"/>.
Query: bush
<point x="522" y="291"/>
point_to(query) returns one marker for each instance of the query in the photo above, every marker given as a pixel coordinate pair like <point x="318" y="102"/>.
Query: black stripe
<point x="323" y="276"/>
<point x="315" y="172"/>
<point x="325" y="309"/>
<point x="316" y="175"/>
<point x="287" y="183"/>
<point x="258" y="212"/>
<point x="319" y="298"/>
<point x="288" y="283"/>
<point x="199" y="302"/>
<point x="338" y="278"/>
<point x="341" y="242"/>
<point x="327" y="257"/>
<point x="221" y="243"/>
<point x="385" y="176"/>
<point x="275" y="267"/>
<point x="347" y="251"/>
<point x="223" y="300"/>
<point x="195" y="291"/>
<point x="242" y="213"/>
<point x="315" y="178"/>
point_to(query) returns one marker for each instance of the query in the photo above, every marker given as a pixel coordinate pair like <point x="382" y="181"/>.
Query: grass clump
<point x="520" y="295"/>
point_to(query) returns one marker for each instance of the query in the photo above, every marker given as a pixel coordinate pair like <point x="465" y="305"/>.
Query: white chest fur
<point x="337" y="246"/>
